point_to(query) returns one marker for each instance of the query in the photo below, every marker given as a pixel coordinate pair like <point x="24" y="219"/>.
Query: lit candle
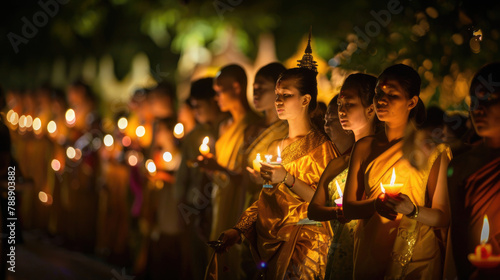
<point x="256" y="163"/>
<point x="70" y="117"/>
<point x="483" y="256"/>
<point x="339" y="200"/>
<point x="51" y="127"/>
<point x="151" y="166"/>
<point x="483" y="250"/>
<point x="278" y="159"/>
<point x="108" y="140"/>
<point x="122" y="123"/>
<point x="140" y="131"/>
<point x="204" y="148"/>
<point x="268" y="158"/>
<point x="179" y="131"/>
<point x="167" y="156"/>
<point x="392" y="189"/>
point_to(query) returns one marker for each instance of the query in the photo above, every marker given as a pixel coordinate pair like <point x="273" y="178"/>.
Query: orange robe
<point x="283" y="240"/>
<point x="474" y="188"/>
<point x="403" y="248"/>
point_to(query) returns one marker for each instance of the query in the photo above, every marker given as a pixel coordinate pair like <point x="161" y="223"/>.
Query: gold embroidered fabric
<point x="274" y="233"/>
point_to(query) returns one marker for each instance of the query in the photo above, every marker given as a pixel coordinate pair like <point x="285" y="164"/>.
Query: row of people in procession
<point x="325" y="174"/>
<point x="387" y="192"/>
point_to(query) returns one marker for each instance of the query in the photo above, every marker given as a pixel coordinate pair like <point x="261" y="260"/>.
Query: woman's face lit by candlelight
<point x="289" y="103"/>
<point x="485" y="114"/>
<point x="352" y="115"/>
<point x="225" y="96"/>
<point x="263" y="93"/>
<point x="391" y="102"/>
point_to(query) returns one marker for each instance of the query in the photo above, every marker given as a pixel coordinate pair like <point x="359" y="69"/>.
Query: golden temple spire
<point x="307" y="60"/>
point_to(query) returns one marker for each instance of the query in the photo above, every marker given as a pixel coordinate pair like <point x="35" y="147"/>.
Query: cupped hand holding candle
<point x="392" y="189"/>
<point x="483" y="256"/>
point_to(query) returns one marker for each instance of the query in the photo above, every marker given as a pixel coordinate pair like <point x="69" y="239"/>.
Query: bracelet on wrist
<point x="284" y="179"/>
<point x="414" y="213"/>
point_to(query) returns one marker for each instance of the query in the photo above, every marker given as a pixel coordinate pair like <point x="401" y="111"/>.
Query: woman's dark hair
<point x="202" y="89"/>
<point x="410" y="82"/>
<point x="305" y="83"/>
<point x="234" y="73"/>
<point x="271" y="71"/>
<point x="364" y="84"/>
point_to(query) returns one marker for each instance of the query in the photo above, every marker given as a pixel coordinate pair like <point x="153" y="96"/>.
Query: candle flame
<point x="167" y="156"/>
<point x="257" y="157"/>
<point x="279" y="154"/>
<point x="338" y="188"/>
<point x="150" y="166"/>
<point x="70" y="116"/>
<point x="393" y="177"/>
<point x="140" y="131"/>
<point x="268" y="158"/>
<point x="179" y="130"/>
<point x="485" y="232"/>
<point x="382" y="187"/>
<point x="122" y="123"/>
<point x="51" y="127"/>
<point x="108" y="140"/>
<point x="205" y="140"/>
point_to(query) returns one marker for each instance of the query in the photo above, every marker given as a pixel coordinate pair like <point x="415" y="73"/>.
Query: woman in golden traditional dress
<point x="474" y="181"/>
<point x="272" y="127"/>
<point x="395" y="236"/>
<point x="284" y="242"/>
<point x="356" y="113"/>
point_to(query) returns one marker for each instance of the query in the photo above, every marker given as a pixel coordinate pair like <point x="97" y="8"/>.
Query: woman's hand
<point x="272" y="173"/>
<point x="401" y="204"/>
<point x="255" y="176"/>
<point x="383" y="209"/>
<point x="208" y="163"/>
<point x="228" y="238"/>
<point x="339" y="212"/>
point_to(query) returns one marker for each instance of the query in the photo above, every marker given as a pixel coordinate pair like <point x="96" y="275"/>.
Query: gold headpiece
<point x="307" y="60"/>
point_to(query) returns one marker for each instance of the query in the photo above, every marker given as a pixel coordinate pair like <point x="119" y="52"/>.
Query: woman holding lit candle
<point x="283" y="240"/>
<point x="271" y="128"/>
<point x="226" y="168"/>
<point x="356" y="113"/>
<point x="474" y="183"/>
<point x="395" y="235"/>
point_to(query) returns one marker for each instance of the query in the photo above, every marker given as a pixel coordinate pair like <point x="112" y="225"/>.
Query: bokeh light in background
<point x="140" y="131"/>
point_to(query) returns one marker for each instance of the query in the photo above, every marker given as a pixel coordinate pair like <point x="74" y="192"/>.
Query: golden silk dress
<point x="474" y="189"/>
<point x="284" y="242"/>
<point x="277" y="130"/>
<point x="340" y="259"/>
<point x="403" y="248"/>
